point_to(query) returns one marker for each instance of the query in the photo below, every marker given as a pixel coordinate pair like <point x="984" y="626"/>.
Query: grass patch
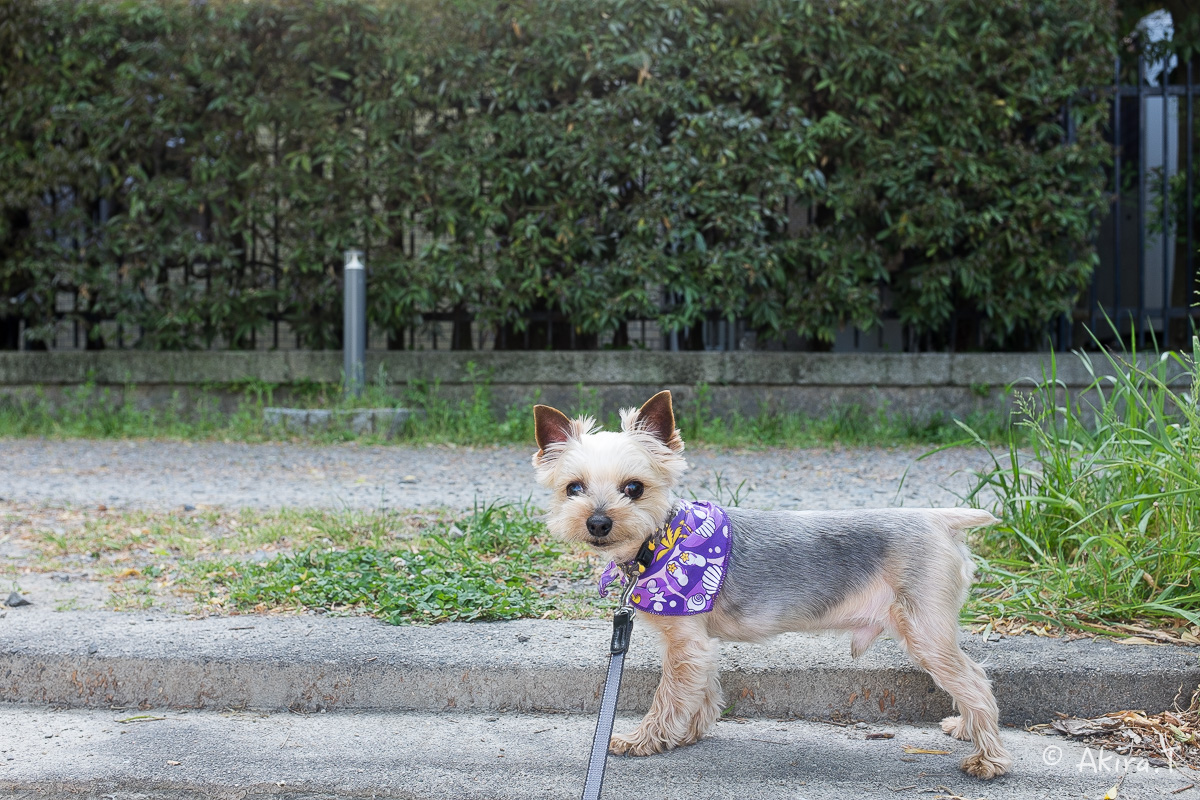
<point x="1100" y="501"/>
<point x="91" y="412"/>
<point x="851" y="425"/>
<point x="96" y="413"/>
<point x="496" y="566"/>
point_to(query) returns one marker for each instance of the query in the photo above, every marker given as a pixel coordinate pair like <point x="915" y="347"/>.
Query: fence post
<point x="354" y="323"/>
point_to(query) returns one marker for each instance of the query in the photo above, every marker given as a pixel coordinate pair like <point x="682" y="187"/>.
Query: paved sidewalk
<point x="223" y="756"/>
<point x="152" y="474"/>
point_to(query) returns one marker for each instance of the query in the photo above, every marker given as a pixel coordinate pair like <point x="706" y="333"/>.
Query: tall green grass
<point x="1100" y="498"/>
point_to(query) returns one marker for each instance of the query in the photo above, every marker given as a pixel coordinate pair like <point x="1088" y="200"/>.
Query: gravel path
<point x="160" y="475"/>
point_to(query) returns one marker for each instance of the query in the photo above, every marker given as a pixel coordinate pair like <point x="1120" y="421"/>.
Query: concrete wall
<point x="914" y="383"/>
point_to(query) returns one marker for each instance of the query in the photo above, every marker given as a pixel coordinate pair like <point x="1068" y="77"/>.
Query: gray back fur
<point x="801" y="564"/>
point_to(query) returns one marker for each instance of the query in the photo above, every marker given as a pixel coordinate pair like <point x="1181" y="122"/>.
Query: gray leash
<point x="622" y="628"/>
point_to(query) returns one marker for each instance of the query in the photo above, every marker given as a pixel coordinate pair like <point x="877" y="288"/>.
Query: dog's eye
<point x="633" y="490"/>
<point x="574" y="489"/>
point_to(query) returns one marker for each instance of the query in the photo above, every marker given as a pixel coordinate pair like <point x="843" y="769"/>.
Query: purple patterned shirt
<point x="689" y="558"/>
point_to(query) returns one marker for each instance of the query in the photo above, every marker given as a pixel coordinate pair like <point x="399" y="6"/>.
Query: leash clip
<point x="622" y="630"/>
<point x="623" y="620"/>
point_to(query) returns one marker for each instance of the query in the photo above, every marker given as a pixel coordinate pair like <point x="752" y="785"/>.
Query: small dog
<point x="904" y="571"/>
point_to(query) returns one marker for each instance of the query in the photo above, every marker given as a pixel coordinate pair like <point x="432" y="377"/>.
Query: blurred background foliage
<point x="192" y="171"/>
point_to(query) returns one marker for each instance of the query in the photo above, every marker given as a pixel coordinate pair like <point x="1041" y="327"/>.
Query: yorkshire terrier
<point x="705" y="574"/>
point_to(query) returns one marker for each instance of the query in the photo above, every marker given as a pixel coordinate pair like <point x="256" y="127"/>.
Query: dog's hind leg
<point x="931" y="638"/>
<point x="688" y="699"/>
<point x="862" y="638"/>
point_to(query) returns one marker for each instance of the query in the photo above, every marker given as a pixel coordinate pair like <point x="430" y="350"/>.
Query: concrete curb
<point x="102" y="659"/>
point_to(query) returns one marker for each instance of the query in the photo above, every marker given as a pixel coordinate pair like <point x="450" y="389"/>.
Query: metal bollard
<point x="354" y="323"/>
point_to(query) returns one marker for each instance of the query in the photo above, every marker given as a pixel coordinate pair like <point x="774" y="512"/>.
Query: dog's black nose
<point x="599" y="525"/>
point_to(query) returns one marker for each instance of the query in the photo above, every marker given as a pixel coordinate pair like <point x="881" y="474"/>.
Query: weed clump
<point x="1099" y="493"/>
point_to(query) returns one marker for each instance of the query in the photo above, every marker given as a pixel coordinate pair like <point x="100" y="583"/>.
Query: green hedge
<point x="194" y="170"/>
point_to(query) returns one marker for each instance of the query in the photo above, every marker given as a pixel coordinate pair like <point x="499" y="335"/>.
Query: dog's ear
<point x="658" y="417"/>
<point x="550" y="426"/>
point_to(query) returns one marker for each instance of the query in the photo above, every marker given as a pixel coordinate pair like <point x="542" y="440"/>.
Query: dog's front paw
<point x="986" y="766"/>
<point x="636" y="743"/>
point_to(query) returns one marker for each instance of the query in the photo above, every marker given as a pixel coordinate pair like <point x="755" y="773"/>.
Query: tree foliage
<point x="194" y="170"/>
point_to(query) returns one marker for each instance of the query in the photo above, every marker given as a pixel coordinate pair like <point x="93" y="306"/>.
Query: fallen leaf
<point x="1086" y="727"/>
<point x="908" y="748"/>
<point x="1134" y="718"/>
<point x="1137" y="640"/>
<point x="1179" y="733"/>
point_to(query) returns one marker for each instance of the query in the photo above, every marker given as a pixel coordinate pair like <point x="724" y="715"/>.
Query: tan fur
<point x="915" y="594"/>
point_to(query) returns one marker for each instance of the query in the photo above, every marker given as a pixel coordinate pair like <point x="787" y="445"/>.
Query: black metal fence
<point x="1145" y="282"/>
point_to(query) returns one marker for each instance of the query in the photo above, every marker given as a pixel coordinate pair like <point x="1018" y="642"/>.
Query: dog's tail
<point x="958" y="520"/>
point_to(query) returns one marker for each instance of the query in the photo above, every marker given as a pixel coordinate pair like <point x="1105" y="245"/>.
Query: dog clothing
<point x="682" y="566"/>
